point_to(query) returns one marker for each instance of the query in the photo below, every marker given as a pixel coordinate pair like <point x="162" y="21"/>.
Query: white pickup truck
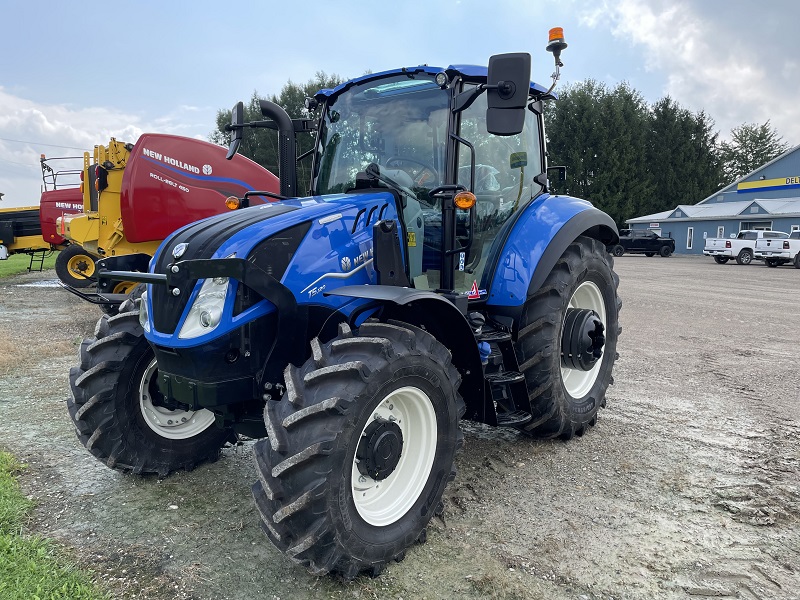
<point x="779" y="252"/>
<point x="742" y="247"/>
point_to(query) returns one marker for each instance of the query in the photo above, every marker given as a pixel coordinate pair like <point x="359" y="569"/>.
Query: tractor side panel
<point x="171" y="181"/>
<point x="536" y="241"/>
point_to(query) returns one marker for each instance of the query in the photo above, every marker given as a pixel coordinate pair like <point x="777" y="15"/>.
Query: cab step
<point x="505" y="377"/>
<point x="509" y="419"/>
<point x="494" y="337"/>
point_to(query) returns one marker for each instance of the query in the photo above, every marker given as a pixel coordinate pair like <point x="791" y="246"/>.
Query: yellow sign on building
<point x="768" y="183"/>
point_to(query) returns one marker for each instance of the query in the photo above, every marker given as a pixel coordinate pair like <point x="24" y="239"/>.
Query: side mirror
<point x="508" y="86"/>
<point x="561" y="173"/>
<point x="237" y="123"/>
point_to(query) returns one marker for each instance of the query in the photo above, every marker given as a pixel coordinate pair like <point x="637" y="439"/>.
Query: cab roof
<point x="469" y="72"/>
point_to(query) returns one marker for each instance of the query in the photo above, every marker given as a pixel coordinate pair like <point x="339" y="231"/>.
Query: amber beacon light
<point x="555" y="44"/>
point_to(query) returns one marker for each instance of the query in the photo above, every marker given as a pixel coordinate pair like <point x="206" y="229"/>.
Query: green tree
<point x="751" y="146"/>
<point x="261" y="145"/>
<point x="682" y="157"/>
<point x="600" y="134"/>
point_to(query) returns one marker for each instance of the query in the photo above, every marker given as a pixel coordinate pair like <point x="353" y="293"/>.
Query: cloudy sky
<point x="73" y="75"/>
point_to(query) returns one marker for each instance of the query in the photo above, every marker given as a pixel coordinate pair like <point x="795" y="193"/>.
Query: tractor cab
<point x="425" y="133"/>
<point x="461" y="150"/>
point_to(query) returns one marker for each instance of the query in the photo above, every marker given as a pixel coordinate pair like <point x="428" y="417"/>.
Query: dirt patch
<point x="687" y="487"/>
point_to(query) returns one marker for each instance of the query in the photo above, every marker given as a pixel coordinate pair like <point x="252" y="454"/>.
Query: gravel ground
<point x="687" y="487"/>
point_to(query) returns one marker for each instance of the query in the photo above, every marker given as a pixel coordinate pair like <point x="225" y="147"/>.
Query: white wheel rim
<point x="170" y="424"/>
<point x="577" y="382"/>
<point x="382" y="503"/>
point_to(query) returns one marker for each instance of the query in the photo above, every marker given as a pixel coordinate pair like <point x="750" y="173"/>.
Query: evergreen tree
<point x="682" y="157"/>
<point x="751" y="147"/>
<point x="600" y="136"/>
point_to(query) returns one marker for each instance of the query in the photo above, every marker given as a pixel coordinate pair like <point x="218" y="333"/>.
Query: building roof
<point x="779" y="207"/>
<point x="733" y="186"/>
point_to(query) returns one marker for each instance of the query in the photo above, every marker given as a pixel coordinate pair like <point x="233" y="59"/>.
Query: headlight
<point x="206" y="312"/>
<point x="144" y="317"/>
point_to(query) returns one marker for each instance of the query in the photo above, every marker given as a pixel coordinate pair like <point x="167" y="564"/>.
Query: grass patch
<point x="18" y="263"/>
<point x="31" y="567"/>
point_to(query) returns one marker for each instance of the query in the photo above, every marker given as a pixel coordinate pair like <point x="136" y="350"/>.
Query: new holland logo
<point x="179" y="250"/>
<point x="346" y="264"/>
<point x="207" y="169"/>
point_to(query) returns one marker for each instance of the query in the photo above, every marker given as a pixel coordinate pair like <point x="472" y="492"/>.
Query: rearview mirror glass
<point x="508" y="84"/>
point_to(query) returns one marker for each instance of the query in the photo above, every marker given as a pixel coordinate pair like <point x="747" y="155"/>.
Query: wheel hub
<point x="380" y="449"/>
<point x="582" y="340"/>
<point x="167" y="422"/>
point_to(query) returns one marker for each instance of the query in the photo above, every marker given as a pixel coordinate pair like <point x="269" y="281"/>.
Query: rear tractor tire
<point x="721" y="260"/>
<point x="75" y="266"/>
<point x="565" y="397"/>
<point x="113" y="408"/>
<point x="360" y="449"/>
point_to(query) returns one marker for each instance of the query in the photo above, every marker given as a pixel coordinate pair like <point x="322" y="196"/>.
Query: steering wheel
<point x="426" y="173"/>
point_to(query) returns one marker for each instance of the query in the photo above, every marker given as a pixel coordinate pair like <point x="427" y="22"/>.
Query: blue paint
<point x="539" y="223"/>
<point x="330" y="255"/>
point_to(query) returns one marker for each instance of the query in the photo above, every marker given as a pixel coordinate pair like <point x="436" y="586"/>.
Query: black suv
<point x="642" y="241"/>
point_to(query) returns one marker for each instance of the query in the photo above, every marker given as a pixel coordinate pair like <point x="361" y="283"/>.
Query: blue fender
<point x="536" y="240"/>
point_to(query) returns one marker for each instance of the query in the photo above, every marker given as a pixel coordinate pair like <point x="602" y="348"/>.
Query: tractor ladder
<point x="505" y="384"/>
<point x="37" y="260"/>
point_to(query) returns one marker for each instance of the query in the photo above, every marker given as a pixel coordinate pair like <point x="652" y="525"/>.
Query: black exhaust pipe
<point x="287" y="147"/>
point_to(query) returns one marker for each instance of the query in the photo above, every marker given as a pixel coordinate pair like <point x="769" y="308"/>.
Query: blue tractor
<point x="428" y="276"/>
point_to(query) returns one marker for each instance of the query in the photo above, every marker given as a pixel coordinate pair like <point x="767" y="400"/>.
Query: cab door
<point x="505" y="167"/>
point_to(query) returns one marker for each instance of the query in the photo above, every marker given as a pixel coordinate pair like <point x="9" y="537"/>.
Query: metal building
<point x="767" y="198"/>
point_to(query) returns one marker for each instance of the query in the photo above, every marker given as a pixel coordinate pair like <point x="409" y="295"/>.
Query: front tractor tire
<point x="360" y="449"/>
<point x="564" y="396"/>
<point x="115" y="407"/>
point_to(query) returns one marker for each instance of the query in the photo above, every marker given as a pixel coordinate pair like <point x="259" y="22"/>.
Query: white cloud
<point x="735" y="60"/>
<point x="29" y="129"/>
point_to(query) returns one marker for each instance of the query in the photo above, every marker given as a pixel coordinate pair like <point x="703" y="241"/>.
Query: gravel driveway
<point x="689" y="485"/>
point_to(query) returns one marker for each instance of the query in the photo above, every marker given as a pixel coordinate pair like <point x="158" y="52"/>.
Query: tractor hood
<point x="310" y="245"/>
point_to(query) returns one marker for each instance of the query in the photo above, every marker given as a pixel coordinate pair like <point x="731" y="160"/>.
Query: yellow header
<point x="18" y="208"/>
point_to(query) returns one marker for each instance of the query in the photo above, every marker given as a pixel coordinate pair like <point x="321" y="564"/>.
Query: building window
<point x="753" y="209"/>
<point x="678" y="214"/>
<point x="689" y="236"/>
<point x="721" y="231"/>
<point x="763" y="225"/>
<point x="795" y="227"/>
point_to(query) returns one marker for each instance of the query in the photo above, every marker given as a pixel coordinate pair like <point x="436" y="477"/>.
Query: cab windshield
<point x="398" y="123"/>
